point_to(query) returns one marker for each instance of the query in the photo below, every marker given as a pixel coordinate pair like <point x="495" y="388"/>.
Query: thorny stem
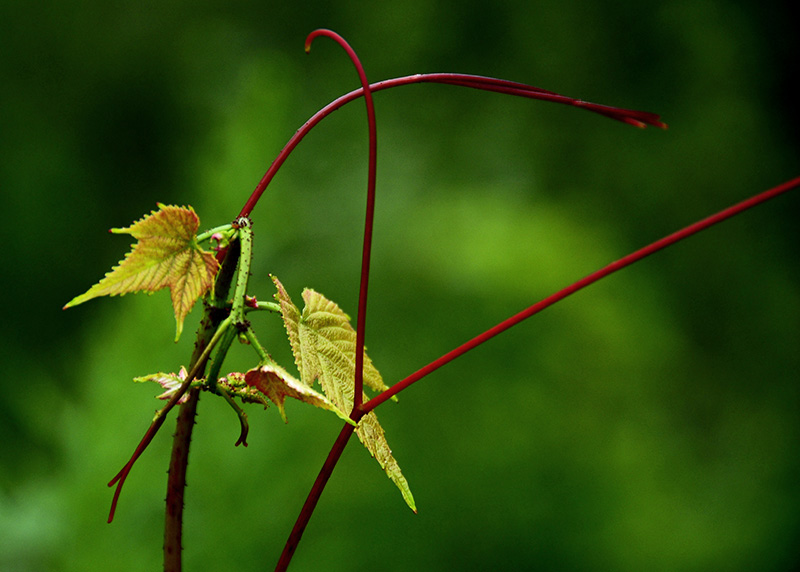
<point x="237" y="319"/>
<point x="176" y="481"/>
<point x="213" y="377"/>
<point x="361" y="319"/>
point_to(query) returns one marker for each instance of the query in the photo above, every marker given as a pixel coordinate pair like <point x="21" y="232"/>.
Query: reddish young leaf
<point x="171" y="382"/>
<point x="166" y="256"/>
<point x="277" y="384"/>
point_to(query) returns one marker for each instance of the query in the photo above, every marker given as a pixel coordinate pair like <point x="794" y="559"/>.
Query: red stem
<point x="313" y="497"/>
<point x="361" y="319"/>
<point x="580" y="284"/>
<point x="120" y="477"/>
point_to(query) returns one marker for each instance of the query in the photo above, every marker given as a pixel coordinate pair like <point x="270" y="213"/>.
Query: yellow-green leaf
<point x="324" y="346"/>
<point x="166" y="256"/>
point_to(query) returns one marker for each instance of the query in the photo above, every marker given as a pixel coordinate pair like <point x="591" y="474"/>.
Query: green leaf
<point x="166" y="256"/>
<point x="324" y="346"/>
<point x="277" y="384"/>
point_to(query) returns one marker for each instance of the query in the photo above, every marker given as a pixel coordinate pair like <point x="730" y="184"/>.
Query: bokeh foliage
<point x="650" y="422"/>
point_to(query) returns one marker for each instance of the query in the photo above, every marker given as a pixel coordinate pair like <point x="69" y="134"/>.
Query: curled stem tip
<point x="319" y="32"/>
<point x="329" y="34"/>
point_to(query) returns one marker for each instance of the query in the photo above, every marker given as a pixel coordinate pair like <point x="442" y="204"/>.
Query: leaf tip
<point x="80" y="299"/>
<point x="178" y="326"/>
<point x="409" y="498"/>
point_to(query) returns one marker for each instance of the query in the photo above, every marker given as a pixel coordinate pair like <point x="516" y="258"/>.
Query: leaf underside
<point x="166" y="256"/>
<point x="324" y="346"/>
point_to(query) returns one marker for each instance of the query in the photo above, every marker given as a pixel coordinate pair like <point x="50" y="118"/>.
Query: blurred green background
<point x="650" y="422"/>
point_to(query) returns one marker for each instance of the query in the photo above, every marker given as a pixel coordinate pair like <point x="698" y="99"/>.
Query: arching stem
<point x="629" y="116"/>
